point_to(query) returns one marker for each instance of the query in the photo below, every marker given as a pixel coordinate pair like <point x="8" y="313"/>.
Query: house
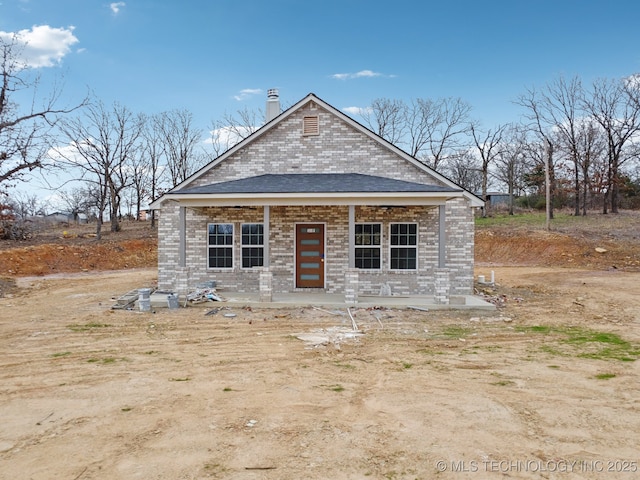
<point x="498" y="199"/>
<point x="315" y="202"/>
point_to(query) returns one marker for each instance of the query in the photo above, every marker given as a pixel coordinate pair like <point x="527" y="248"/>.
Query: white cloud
<point x="227" y="137"/>
<point x="116" y="6"/>
<point x="42" y="46"/>
<point x="247" y="93"/>
<point x="633" y="81"/>
<point x="357" y="110"/>
<point x="360" y="74"/>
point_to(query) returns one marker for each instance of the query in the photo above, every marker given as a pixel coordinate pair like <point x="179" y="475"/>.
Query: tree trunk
<point x="615" y="188"/>
<point x="549" y="179"/>
<point x="99" y="223"/>
<point x="607" y="191"/>
<point x="577" y="187"/>
<point x="485" y="174"/>
<point x="585" y="188"/>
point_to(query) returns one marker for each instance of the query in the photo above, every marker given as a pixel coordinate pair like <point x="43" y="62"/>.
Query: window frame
<point x="230" y="246"/>
<point x="248" y="246"/>
<point x="371" y="246"/>
<point x="393" y="246"/>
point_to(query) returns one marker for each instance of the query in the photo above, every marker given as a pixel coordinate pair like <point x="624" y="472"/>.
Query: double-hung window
<point x="367" y="245"/>
<point x="220" y="245"/>
<point x="252" y="245"/>
<point x="403" y="240"/>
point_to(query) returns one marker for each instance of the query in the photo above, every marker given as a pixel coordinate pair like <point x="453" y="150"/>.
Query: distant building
<point x="495" y="199"/>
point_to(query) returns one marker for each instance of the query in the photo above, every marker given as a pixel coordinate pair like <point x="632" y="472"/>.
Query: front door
<point x="310" y="255"/>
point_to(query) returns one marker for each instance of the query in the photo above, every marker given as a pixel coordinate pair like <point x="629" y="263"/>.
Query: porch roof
<point x="315" y="189"/>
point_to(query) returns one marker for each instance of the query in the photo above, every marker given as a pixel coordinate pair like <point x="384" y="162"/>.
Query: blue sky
<point x="213" y="57"/>
<point x="217" y="56"/>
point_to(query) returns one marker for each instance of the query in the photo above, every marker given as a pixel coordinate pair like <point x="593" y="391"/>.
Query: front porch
<point x="333" y="300"/>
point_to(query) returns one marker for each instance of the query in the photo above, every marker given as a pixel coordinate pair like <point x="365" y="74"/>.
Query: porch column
<point x="181" y="281"/>
<point x="351" y="283"/>
<point x="442" y="236"/>
<point x="265" y="231"/>
<point x="352" y="236"/>
<point x="182" y="237"/>
<point x="266" y="285"/>
<point x="442" y="286"/>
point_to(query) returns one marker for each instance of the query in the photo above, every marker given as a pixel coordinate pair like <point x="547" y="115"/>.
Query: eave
<point x="312" y="199"/>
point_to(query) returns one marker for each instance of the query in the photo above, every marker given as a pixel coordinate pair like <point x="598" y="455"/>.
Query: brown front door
<point x="310" y="255"/>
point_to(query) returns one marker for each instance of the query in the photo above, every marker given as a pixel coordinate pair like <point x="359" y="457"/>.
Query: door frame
<point x="295" y="253"/>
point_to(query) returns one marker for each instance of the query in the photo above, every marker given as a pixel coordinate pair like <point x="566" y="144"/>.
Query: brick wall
<point x="338" y="148"/>
<point x="335" y="219"/>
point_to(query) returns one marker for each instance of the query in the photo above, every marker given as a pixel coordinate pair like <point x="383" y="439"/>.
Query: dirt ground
<point x="546" y="386"/>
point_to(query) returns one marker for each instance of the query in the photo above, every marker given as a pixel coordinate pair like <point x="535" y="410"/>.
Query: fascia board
<point x="322" y="199"/>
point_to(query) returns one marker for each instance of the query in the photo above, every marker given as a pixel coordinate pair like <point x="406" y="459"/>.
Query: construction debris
<point x="335" y="312"/>
<point x="200" y="295"/>
<point x="126" y="301"/>
<point x="145" y="299"/>
<point x="421" y="309"/>
<point x="385" y="290"/>
<point x="328" y="336"/>
<point x="353" y="321"/>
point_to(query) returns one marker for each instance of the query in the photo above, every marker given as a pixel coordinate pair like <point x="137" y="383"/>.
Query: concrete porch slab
<point x="458" y="302"/>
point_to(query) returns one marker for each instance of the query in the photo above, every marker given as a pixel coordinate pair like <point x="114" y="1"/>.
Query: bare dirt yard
<point x="546" y="386"/>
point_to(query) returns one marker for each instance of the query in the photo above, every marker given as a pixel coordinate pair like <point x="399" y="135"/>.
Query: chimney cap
<point x="272" y="93"/>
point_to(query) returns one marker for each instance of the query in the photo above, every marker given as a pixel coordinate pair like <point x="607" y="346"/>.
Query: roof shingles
<point x="314" y="183"/>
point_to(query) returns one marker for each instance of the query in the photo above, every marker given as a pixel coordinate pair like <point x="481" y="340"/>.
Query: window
<point x="404" y="250"/>
<point x="367" y="242"/>
<point x="220" y="245"/>
<point x="252" y="245"/>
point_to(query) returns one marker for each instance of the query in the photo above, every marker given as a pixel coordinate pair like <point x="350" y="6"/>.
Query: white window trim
<point x="233" y="247"/>
<point x="379" y="247"/>
<point x="405" y="246"/>
<point x="243" y="246"/>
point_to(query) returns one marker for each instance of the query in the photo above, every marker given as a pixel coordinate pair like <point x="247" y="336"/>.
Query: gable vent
<point x="310" y="125"/>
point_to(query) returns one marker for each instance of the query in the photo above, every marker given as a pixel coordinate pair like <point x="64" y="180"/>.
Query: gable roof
<point x="180" y="189"/>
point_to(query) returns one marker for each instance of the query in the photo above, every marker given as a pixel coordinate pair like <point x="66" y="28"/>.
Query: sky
<point x="215" y="57"/>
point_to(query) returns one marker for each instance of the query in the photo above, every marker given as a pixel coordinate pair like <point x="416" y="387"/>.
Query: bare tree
<point x="141" y="180"/>
<point x="447" y="134"/>
<point x="24" y="134"/>
<point x="102" y="145"/>
<point x="591" y="146"/>
<point x="154" y="151"/>
<point x="387" y="118"/>
<point x="464" y="169"/>
<point x="231" y="129"/>
<point x="511" y="161"/>
<point x="77" y="200"/>
<point x="614" y="105"/>
<point x="560" y="109"/>
<point x="540" y="124"/>
<point x="25" y="205"/>
<point x="489" y="146"/>
<point x="429" y="130"/>
<point x="180" y="139"/>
